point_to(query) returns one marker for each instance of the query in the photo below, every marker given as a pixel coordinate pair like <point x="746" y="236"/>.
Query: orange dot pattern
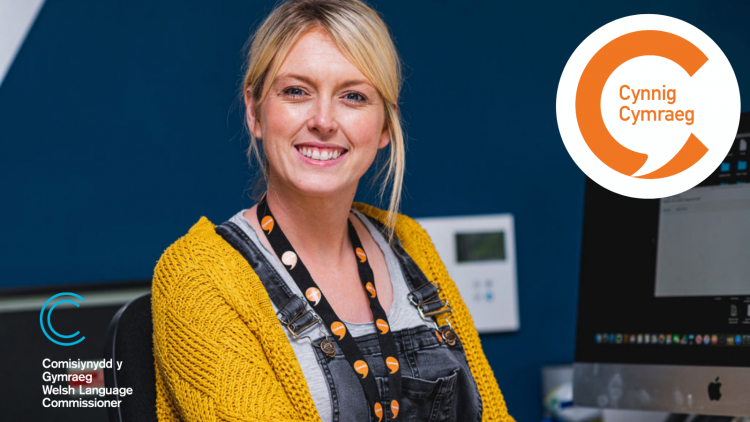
<point x="361" y="368"/>
<point x="382" y="326"/>
<point x="313" y="295"/>
<point x="371" y="289"/>
<point x="267" y="224"/>
<point x="379" y="411"/>
<point x="392" y="364"/>
<point x="361" y="254"/>
<point x="338" y="329"/>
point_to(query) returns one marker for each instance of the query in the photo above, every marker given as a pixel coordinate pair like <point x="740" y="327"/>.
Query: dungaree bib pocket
<point x="437" y="385"/>
<point x="431" y="401"/>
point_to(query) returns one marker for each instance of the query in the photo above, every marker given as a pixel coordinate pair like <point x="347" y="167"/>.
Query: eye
<point x="355" y="97"/>
<point x="293" y="91"/>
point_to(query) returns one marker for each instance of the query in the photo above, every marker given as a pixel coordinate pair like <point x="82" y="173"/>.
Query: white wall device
<point x="479" y="253"/>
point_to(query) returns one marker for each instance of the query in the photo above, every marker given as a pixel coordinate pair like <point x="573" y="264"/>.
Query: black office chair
<point x="129" y="340"/>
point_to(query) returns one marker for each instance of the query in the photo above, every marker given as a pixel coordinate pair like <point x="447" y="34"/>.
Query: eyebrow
<point x="305" y="79"/>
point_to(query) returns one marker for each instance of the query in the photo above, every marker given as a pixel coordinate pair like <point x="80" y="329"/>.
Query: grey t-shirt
<point x="401" y="315"/>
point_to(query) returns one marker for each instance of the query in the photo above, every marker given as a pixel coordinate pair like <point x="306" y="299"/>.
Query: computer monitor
<point x="664" y="296"/>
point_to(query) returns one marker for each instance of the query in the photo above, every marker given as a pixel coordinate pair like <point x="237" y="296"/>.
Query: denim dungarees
<point x="437" y="384"/>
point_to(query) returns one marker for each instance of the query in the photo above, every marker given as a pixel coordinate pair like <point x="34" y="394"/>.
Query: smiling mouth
<point x="321" y="154"/>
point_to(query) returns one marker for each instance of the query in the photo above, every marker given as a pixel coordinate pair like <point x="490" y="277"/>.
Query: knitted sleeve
<point x="210" y="361"/>
<point x="417" y="244"/>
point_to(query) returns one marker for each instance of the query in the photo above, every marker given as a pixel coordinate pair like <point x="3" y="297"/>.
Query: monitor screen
<point x="667" y="282"/>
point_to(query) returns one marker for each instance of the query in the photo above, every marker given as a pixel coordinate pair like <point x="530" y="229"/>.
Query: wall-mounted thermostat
<point x="479" y="253"/>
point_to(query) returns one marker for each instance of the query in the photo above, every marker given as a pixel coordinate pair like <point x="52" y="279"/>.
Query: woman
<point x="307" y="306"/>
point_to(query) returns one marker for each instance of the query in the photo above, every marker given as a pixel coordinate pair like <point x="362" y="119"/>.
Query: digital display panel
<point x="471" y="247"/>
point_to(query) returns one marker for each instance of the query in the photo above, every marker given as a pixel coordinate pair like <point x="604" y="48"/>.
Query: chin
<point x="321" y="187"/>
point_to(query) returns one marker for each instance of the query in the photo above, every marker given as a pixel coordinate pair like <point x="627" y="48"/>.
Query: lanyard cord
<point x="301" y="276"/>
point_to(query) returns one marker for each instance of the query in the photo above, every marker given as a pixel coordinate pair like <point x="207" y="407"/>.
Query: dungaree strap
<point x="277" y="289"/>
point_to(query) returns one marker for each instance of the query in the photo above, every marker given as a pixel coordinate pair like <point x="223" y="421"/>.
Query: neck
<point x="314" y="224"/>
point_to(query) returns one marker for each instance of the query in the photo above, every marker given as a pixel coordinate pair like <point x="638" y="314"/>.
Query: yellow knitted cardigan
<point x="221" y="353"/>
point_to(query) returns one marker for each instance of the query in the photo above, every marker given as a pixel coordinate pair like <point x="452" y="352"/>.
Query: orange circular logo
<point x="267" y="223"/>
<point x="394" y="408"/>
<point x="379" y="411"/>
<point x="361" y="368"/>
<point x="339" y="329"/>
<point x="635" y="97"/>
<point x="313" y="295"/>
<point x="392" y="364"/>
<point x="370" y="288"/>
<point x="361" y="254"/>
<point x="382" y="326"/>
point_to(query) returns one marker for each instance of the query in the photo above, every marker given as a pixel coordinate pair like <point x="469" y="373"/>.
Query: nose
<point x="323" y="119"/>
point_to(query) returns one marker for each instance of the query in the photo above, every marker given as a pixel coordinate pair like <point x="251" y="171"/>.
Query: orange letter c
<point x="589" y="94"/>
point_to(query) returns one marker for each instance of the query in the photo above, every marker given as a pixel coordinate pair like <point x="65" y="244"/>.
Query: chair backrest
<point x="129" y="341"/>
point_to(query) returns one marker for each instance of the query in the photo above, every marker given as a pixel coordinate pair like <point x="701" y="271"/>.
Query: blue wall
<point x="119" y="128"/>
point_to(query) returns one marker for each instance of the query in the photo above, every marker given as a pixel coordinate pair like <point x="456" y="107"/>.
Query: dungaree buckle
<point x="415" y="296"/>
<point x="432" y="307"/>
<point x="445" y="308"/>
<point x="327" y="346"/>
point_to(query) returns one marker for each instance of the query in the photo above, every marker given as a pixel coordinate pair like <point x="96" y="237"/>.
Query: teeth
<point x="317" y="154"/>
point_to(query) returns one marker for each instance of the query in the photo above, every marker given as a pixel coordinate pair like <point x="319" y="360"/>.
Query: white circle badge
<point x="648" y="106"/>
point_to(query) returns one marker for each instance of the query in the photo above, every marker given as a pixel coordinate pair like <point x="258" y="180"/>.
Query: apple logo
<point x="714" y="390"/>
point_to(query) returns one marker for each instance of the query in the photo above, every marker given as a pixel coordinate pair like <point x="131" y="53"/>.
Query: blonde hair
<point x="364" y="39"/>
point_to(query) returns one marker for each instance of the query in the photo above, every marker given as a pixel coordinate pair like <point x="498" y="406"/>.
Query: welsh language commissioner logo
<point x="49" y="322"/>
<point x="648" y="106"/>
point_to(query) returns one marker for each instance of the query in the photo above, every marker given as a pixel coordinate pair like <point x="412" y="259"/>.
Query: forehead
<point x="316" y="55"/>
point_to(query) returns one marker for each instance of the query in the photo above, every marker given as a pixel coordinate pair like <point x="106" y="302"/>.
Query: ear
<point x="253" y="121"/>
<point x="385" y="137"/>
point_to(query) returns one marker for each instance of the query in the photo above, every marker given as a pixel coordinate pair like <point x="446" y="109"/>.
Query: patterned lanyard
<point x="317" y="300"/>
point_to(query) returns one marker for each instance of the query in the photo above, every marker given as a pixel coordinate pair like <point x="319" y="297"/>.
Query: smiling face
<point x="322" y="121"/>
